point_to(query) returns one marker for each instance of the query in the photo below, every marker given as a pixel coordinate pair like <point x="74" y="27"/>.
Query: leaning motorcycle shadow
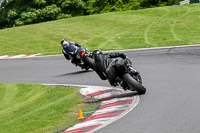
<point x="74" y="73"/>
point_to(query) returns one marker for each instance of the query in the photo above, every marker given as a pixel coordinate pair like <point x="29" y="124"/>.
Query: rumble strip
<point x="17" y="56"/>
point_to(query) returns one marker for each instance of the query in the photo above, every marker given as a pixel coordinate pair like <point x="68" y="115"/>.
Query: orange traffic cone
<point x="80" y="114"/>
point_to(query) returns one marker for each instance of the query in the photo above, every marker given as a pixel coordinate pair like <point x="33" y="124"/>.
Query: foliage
<point x="99" y="6"/>
<point x="74" y="7"/>
<point x="21" y="12"/>
<point x="33" y="16"/>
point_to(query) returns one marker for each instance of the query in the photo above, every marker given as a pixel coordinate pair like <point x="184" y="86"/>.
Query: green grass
<point x="155" y="27"/>
<point x="38" y="108"/>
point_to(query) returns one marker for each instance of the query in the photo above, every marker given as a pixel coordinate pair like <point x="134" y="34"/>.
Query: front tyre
<point x="134" y="85"/>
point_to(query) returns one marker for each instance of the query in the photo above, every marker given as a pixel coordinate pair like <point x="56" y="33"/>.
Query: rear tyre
<point x="135" y="86"/>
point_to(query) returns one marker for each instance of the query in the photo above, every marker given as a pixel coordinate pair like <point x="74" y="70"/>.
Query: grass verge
<point x="38" y="108"/>
<point x="153" y="27"/>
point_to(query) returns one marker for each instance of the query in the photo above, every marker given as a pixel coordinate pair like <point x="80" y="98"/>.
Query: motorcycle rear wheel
<point x="134" y="85"/>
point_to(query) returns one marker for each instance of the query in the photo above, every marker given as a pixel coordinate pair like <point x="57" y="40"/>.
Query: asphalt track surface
<point x="171" y="76"/>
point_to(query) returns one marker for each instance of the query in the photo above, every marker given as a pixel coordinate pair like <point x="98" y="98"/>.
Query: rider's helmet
<point x="96" y="53"/>
<point x="64" y="43"/>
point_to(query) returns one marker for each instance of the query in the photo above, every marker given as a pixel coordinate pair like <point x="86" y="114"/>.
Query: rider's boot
<point x="124" y="86"/>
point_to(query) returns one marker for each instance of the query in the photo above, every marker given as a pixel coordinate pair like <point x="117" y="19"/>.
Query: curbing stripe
<point x="110" y="109"/>
<point x="113" y="100"/>
<point x="11" y="56"/>
<point x="83" y="129"/>
<point x="18" y="56"/>
<point x="1" y="57"/>
<point x="114" y="96"/>
<point x="15" y="56"/>
<point x="101" y="92"/>
<point x="133" y="105"/>
<point x="90" y="123"/>
<point x="105" y="115"/>
<point x="30" y="55"/>
<point x="128" y="101"/>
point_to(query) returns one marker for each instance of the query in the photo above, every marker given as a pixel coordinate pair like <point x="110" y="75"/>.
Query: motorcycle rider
<point x="106" y="64"/>
<point x="69" y="50"/>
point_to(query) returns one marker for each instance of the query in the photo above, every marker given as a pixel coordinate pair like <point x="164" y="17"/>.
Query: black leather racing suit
<point x="104" y="65"/>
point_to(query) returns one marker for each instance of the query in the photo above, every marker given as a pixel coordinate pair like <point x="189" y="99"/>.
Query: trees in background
<point x="101" y="6"/>
<point x="22" y="12"/>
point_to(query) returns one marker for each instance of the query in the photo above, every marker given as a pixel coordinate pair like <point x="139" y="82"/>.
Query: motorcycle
<point x="129" y="78"/>
<point x="81" y="58"/>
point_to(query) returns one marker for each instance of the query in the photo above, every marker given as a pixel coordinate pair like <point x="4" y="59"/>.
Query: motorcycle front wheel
<point x="134" y="85"/>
